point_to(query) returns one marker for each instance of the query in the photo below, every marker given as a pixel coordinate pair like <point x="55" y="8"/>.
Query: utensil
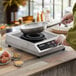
<point x="67" y="21"/>
<point x="34" y="28"/>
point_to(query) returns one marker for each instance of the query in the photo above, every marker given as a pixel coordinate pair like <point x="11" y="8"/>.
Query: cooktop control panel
<point x="47" y="45"/>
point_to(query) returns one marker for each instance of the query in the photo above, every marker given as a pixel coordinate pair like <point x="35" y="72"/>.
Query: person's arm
<point x="67" y="18"/>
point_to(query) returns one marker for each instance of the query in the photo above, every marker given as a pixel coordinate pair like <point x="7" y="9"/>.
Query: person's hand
<point x="65" y="42"/>
<point x="61" y="39"/>
<point x="67" y="19"/>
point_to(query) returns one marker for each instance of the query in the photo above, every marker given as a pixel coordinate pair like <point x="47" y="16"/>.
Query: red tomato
<point x="4" y="59"/>
<point x="6" y="54"/>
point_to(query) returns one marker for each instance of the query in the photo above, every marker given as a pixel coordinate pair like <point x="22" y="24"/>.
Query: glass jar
<point x="2" y="32"/>
<point x="0" y="41"/>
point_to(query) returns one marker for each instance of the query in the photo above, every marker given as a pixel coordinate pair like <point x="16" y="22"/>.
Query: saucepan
<point x="33" y="28"/>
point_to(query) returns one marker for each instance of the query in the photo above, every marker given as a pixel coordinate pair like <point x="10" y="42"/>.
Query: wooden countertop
<point x="32" y="64"/>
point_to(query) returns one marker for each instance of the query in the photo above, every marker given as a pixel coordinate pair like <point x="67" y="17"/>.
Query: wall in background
<point x="2" y="14"/>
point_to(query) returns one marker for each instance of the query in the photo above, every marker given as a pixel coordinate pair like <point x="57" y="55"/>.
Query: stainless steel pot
<point x="33" y="28"/>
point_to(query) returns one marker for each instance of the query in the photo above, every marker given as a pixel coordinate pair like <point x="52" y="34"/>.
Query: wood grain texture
<point x="67" y="69"/>
<point x="60" y="64"/>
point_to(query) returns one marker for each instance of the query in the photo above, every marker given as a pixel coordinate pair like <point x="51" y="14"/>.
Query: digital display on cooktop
<point x="47" y="45"/>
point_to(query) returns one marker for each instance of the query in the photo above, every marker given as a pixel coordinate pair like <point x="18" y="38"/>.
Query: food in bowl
<point x="18" y="63"/>
<point x="4" y="57"/>
<point x="16" y="56"/>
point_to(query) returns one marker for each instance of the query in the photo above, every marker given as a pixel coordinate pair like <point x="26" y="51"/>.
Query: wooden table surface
<point x="33" y="65"/>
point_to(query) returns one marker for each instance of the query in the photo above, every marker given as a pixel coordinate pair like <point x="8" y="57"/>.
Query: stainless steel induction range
<point x="39" y="47"/>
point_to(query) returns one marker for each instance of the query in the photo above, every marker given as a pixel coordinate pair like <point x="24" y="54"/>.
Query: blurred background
<point x="57" y="8"/>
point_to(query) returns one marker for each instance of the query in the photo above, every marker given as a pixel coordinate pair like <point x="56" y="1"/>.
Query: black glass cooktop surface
<point x="36" y="37"/>
<point x="33" y="37"/>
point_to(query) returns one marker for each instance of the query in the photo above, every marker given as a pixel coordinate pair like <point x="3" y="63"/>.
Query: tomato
<point x="4" y="59"/>
<point x="6" y="54"/>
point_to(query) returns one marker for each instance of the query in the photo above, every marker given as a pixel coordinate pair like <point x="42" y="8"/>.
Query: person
<point x="23" y="10"/>
<point x="70" y="39"/>
<point x="67" y="18"/>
